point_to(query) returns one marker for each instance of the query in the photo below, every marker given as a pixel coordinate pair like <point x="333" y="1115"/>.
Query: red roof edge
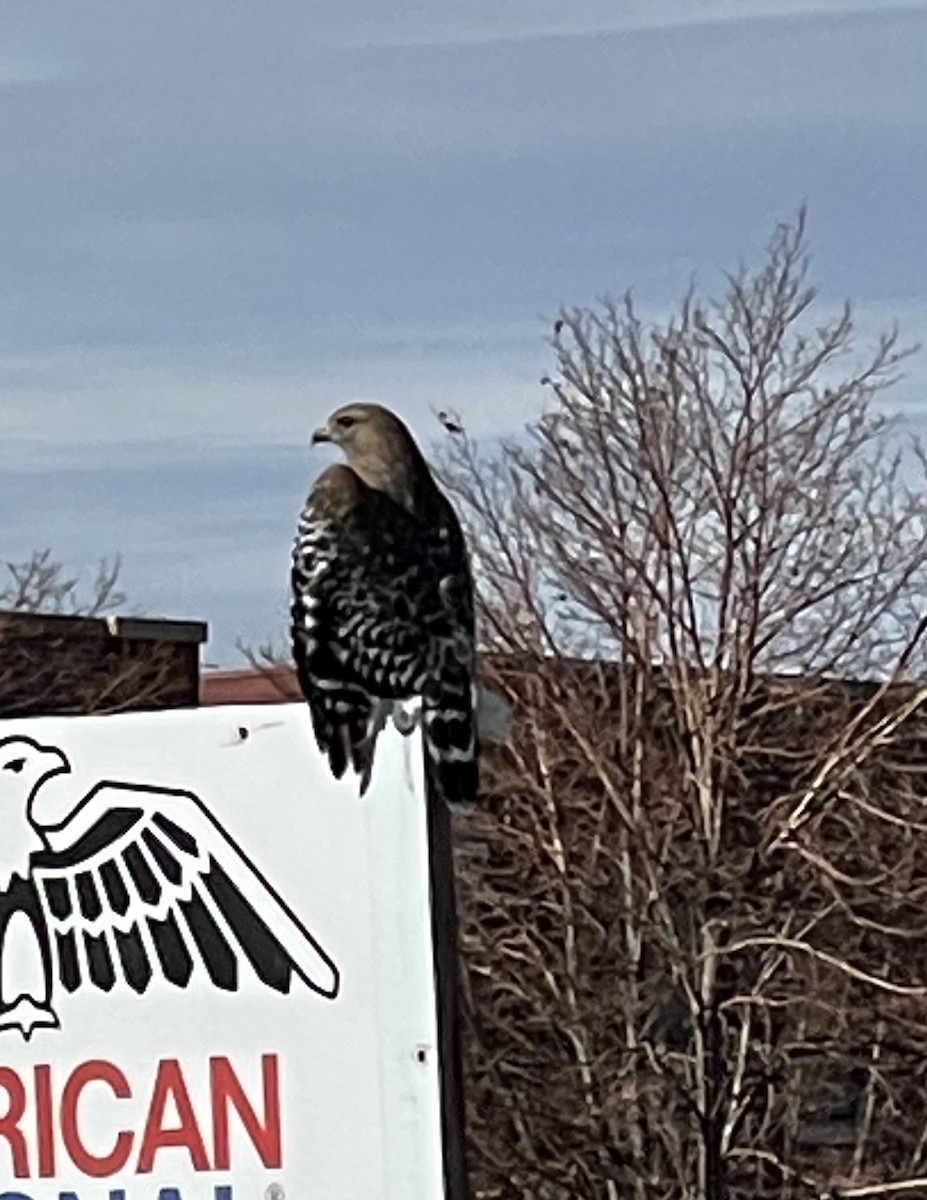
<point x="249" y="685"/>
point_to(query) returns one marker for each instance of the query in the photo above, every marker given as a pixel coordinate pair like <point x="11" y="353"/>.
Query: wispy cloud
<point x="484" y="25"/>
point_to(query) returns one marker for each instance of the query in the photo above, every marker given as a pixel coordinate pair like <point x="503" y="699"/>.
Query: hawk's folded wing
<point x="383" y="611"/>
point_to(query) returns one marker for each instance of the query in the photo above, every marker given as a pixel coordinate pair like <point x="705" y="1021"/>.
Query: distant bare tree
<point x="273" y="660"/>
<point x="75" y="667"/>
<point x="41" y="583"/>
<point x="693" y="945"/>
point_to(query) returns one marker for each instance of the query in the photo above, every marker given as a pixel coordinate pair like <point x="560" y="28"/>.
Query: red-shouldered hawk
<point x="382" y="602"/>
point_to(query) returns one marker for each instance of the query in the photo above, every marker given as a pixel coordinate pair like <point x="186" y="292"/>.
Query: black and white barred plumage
<point x="382" y="603"/>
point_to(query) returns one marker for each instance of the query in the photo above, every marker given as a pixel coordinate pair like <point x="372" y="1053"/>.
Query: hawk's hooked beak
<point x="320" y="435"/>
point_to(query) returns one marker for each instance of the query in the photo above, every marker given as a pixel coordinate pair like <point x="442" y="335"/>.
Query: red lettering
<point x="44" y="1130"/>
<point x="9" y="1122"/>
<point x="94" y="1071"/>
<point x="169" y="1085"/>
<point x="227" y="1092"/>
<point x="171" y="1123"/>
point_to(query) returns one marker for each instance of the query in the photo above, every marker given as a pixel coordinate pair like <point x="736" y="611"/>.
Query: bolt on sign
<point x="216" y="975"/>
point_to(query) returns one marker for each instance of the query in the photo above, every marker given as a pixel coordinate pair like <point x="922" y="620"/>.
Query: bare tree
<point x="693" y="944"/>
<point x="76" y="666"/>
<point x="273" y="659"/>
<point x="41" y="583"/>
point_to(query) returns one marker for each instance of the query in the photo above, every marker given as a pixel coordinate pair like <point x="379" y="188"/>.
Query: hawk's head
<point x="379" y="448"/>
<point x="361" y="429"/>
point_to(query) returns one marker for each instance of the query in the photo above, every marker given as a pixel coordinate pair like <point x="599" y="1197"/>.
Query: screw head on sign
<point x="274" y="1191"/>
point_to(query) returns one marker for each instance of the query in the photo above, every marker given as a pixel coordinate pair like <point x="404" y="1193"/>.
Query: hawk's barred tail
<point x="340" y="721"/>
<point x="449" y="732"/>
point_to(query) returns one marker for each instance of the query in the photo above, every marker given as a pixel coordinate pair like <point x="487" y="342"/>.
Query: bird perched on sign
<point x="382" y="602"/>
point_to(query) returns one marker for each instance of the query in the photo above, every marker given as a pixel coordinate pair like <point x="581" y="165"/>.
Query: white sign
<point x="215" y="964"/>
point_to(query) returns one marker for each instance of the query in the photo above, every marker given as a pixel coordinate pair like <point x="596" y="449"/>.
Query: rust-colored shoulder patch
<point x="337" y="489"/>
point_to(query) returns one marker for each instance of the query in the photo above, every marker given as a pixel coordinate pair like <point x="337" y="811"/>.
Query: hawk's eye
<point x="346" y="422"/>
<point x="15" y="765"/>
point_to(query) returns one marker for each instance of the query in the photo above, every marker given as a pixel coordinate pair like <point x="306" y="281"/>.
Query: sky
<point x="219" y="220"/>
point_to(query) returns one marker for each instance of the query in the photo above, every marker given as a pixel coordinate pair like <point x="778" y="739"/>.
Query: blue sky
<point x="218" y="220"/>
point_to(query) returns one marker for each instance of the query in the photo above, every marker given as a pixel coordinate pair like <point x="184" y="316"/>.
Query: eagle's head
<point x="24" y="766"/>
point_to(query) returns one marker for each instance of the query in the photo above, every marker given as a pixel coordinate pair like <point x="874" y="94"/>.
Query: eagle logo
<point x="137" y="884"/>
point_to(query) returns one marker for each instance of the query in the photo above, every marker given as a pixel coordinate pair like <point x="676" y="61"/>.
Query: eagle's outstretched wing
<point x="155" y="888"/>
<point x="383" y="611"/>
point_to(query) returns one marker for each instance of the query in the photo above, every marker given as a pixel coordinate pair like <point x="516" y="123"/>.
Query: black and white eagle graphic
<point x="136" y="885"/>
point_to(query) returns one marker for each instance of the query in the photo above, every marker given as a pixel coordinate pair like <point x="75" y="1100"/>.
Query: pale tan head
<point x="379" y="448"/>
